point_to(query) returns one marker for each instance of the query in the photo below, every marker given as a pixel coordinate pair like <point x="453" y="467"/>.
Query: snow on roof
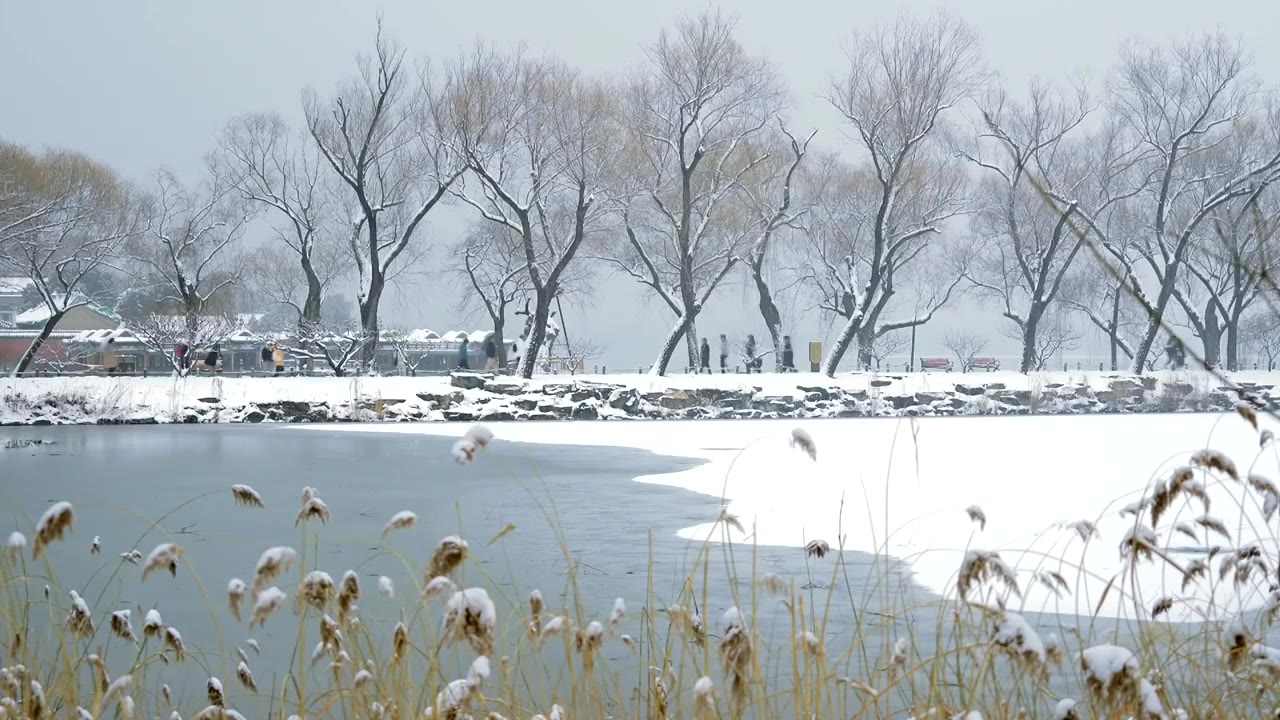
<point x="480" y="336"/>
<point x="422" y="335"/>
<point x="35" y="316"/>
<point x="14" y="285"/>
<point x="455" y="336"/>
<point x="40" y="313"/>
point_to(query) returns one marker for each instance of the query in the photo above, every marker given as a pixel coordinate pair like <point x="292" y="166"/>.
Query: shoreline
<point x="480" y="397"/>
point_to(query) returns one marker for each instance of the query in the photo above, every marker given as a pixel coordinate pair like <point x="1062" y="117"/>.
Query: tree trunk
<point x="841" y="346"/>
<point x="866" y="347"/>
<point x="537" y="332"/>
<point x="1233" y="344"/>
<point x="691" y="344"/>
<point x="37" y="342"/>
<point x="1154" y="317"/>
<point x="369" y="321"/>
<point x="1030" y="327"/>
<point x="1211" y="336"/>
<point x="678" y="330"/>
<point x="1113" y="331"/>
<point x="315" y="293"/>
<point x="499" y="326"/>
<point x="769" y="312"/>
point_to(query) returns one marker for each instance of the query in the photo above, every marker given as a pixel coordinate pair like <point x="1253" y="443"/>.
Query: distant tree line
<point x="1141" y="206"/>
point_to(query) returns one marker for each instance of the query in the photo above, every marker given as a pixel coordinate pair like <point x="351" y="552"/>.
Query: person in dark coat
<point x="788" y="355"/>
<point x="490" y="354"/>
<point x="704" y="357"/>
<point x="462" y="355"/>
<point x="724" y="353"/>
<point x="751" y="353"/>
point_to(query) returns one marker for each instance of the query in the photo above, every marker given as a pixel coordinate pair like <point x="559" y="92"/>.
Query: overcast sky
<point x="143" y="84"/>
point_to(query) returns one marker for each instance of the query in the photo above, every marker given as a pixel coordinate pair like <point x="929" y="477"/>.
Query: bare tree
<point x="1108" y="304"/>
<point x="965" y="346"/>
<point x="491" y="263"/>
<point x="1260" y="335"/>
<point x="540" y="141"/>
<point x="382" y="136"/>
<point x="1054" y="334"/>
<point x="1229" y="267"/>
<point x="163" y="333"/>
<point x="695" y="121"/>
<point x="267" y="165"/>
<point x="900" y="81"/>
<point x="30" y="197"/>
<point x="1176" y="105"/>
<point x="337" y="344"/>
<point x="837" y="247"/>
<point x="1030" y="244"/>
<point x="190" y="243"/>
<point x="92" y="216"/>
<point x="887" y="345"/>
<point x="776" y="217"/>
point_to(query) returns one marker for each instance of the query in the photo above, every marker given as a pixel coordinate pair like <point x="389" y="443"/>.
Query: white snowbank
<point x="902" y="487"/>
<point x="167" y="392"/>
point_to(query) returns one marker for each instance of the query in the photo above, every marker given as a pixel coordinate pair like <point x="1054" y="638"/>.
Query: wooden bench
<point x="927" y="364"/>
<point x="985" y="363"/>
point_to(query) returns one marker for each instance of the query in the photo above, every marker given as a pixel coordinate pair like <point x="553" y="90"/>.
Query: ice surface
<point x="901" y="486"/>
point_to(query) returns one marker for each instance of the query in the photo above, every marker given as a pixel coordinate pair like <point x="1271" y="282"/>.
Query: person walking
<point x="704" y="357"/>
<point x="462" y="355"/>
<point x="277" y="355"/>
<point x="788" y="355"/>
<point x="211" y="360"/>
<point x="751" y="353"/>
<point x="724" y="353"/>
<point x="490" y="354"/>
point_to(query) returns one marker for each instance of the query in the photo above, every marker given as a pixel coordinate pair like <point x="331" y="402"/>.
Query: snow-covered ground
<point x="902" y="486"/>
<point x="166" y="391"/>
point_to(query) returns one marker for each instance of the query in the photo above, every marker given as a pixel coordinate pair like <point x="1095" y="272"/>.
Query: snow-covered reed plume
<point x="122" y="625"/>
<point x="464" y="451"/>
<point x="399" y="642"/>
<point x="980" y="566"/>
<point x="704" y="695"/>
<point x="817" y="548"/>
<point x="253" y="645"/>
<point x="271" y="564"/>
<point x="247" y="496"/>
<point x="402" y="520"/>
<point x="163" y="557"/>
<point x="213" y="690"/>
<point x="267" y="602"/>
<point x="386" y="587"/>
<point x="348" y="593"/>
<point x="479" y="671"/>
<point x="736" y="653"/>
<point x="439" y="586"/>
<point x="481" y="435"/>
<point x="133" y="557"/>
<point x="448" y="555"/>
<point x="235" y="596"/>
<point x="15" y="546"/>
<point x="152" y="624"/>
<point x="588" y="642"/>
<point x="470" y="615"/>
<point x="246" y="677"/>
<point x="55" y="523"/>
<point x="317" y="589"/>
<point x="976" y="514"/>
<point x="361" y="680"/>
<point x="809" y="643"/>
<point x="1112" y="676"/>
<point x="79" y="619"/>
<point x="312" y="507"/>
<point x="800" y="438"/>
<point x="618" y="613"/>
<point x="173" y="640"/>
<point x="95" y="547"/>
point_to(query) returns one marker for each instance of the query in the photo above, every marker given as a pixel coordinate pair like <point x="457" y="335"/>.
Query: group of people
<point x="490" y="353"/>
<point x="184" y="357"/>
<point x="753" y="359"/>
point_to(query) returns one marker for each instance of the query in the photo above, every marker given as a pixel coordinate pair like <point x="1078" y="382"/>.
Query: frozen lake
<point x="896" y="491"/>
